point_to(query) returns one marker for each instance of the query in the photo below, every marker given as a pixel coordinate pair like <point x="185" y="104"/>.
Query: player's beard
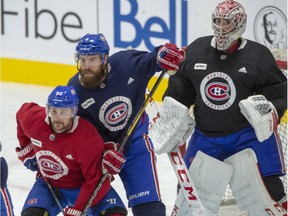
<point x="60" y="127"/>
<point x="94" y="79"/>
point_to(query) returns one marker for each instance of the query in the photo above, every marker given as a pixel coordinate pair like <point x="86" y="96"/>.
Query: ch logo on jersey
<point x="115" y="113"/>
<point x="218" y="91"/>
<point x="51" y="165"/>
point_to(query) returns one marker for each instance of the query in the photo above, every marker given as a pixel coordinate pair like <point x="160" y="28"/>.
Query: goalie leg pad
<point x="172" y="128"/>
<point x="211" y="178"/>
<point x="248" y="188"/>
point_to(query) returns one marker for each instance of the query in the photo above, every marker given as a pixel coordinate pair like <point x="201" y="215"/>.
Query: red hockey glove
<point x="71" y="212"/>
<point x="113" y="161"/>
<point x="169" y="57"/>
<point x="28" y="157"/>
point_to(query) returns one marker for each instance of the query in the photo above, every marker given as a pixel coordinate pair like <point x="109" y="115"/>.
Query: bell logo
<point x="122" y="20"/>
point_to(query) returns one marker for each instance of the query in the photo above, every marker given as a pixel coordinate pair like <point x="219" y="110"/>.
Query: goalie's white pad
<point x="261" y="114"/>
<point x="211" y="178"/>
<point x="248" y="188"/>
<point x="172" y="128"/>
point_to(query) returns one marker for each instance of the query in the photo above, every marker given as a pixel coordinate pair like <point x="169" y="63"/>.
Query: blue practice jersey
<point x="6" y="205"/>
<point x="113" y="105"/>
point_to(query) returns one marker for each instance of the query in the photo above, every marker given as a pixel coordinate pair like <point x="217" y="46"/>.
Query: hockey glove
<point x="71" y="212"/>
<point x="261" y="114"/>
<point x="169" y="57"/>
<point x="113" y="161"/>
<point x="28" y="157"/>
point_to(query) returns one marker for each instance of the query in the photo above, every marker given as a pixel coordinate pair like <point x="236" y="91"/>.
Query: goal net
<point x="280" y="56"/>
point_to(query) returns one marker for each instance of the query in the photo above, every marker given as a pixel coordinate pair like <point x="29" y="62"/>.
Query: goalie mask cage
<point x="281" y="59"/>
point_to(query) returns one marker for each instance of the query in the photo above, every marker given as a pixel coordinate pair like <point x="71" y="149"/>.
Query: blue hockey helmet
<point x="92" y="44"/>
<point x="63" y="97"/>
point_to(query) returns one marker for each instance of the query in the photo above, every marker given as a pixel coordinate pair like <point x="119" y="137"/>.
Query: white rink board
<point x="48" y="31"/>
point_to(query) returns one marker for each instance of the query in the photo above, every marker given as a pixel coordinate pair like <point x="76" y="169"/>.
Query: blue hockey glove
<point x="28" y="157"/>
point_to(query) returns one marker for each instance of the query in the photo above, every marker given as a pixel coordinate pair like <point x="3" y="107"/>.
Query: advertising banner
<point x="37" y="32"/>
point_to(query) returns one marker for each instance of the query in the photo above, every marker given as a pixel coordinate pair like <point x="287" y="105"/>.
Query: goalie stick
<point x="184" y="178"/>
<point x="125" y="138"/>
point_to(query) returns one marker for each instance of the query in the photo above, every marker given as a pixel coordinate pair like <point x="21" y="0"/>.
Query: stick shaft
<point x="51" y="191"/>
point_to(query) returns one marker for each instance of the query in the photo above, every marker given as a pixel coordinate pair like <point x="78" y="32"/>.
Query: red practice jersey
<point x="68" y="160"/>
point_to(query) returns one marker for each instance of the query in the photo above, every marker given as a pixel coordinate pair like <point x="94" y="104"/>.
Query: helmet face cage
<point x="63" y="97"/>
<point x="92" y="44"/>
<point x="233" y="15"/>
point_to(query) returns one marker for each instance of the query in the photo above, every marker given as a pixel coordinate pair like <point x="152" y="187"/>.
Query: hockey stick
<point x="51" y="190"/>
<point x="125" y="138"/>
<point x="184" y="178"/>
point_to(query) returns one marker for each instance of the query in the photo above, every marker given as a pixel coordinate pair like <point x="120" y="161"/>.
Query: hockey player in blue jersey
<point x="111" y="91"/>
<point x="6" y="205"/>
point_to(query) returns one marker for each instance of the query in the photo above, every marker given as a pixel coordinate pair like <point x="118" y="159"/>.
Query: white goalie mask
<point x="229" y="23"/>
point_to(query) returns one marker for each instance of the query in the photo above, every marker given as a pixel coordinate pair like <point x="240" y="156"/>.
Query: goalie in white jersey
<point x="238" y="92"/>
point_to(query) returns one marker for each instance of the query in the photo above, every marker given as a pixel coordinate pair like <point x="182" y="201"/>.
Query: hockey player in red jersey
<point x="112" y="90"/>
<point x="237" y="91"/>
<point x="67" y="152"/>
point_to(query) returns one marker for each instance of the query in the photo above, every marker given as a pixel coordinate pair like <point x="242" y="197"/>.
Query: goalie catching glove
<point x="169" y="57"/>
<point x="172" y="128"/>
<point x="113" y="161"/>
<point x="261" y="114"/>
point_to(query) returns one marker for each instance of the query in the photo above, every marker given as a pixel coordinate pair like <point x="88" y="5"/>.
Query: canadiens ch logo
<point x="51" y="165"/>
<point x="115" y="113"/>
<point x="218" y="91"/>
